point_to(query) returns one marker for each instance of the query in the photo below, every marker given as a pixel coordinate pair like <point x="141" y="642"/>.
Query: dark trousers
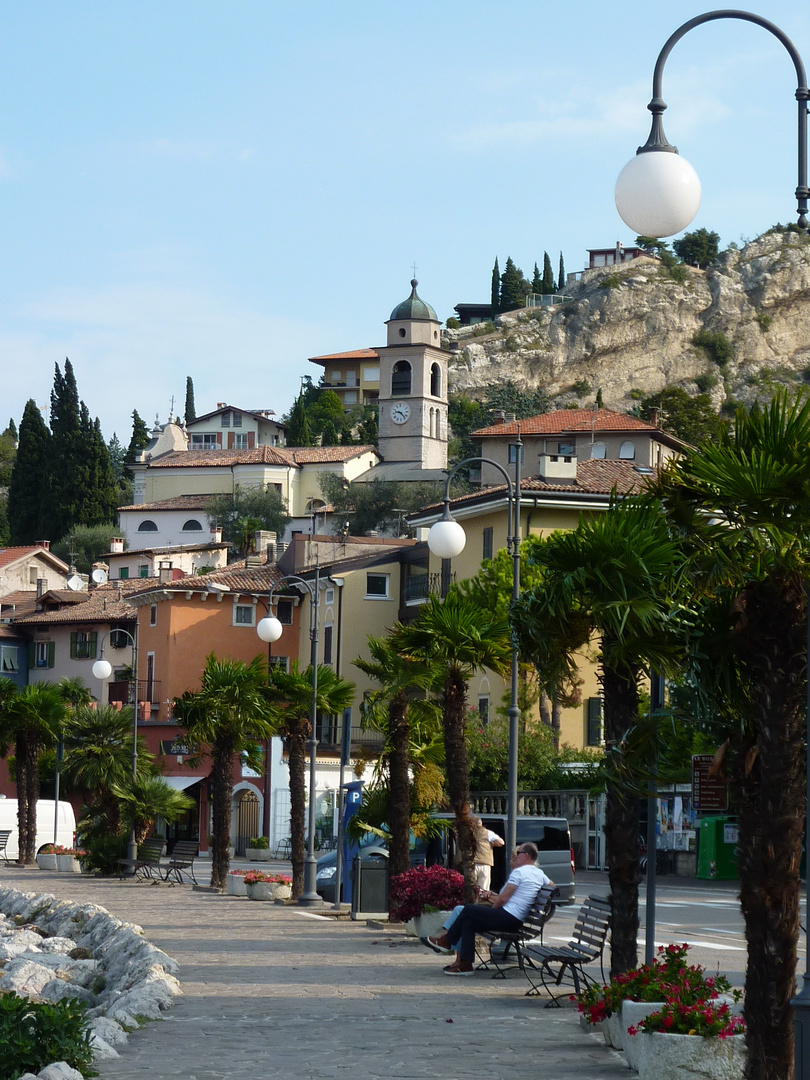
<point x="475" y="918"/>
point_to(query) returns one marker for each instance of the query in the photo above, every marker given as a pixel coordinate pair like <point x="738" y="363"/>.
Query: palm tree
<point x="229" y="714"/>
<point x="389" y="710"/>
<point x="743" y="508"/>
<point x="74" y="692"/>
<point x="613" y="577"/>
<point x="455" y="638"/>
<point x="147" y="798"/>
<point x="291" y="694"/>
<point x="32" y="719"/>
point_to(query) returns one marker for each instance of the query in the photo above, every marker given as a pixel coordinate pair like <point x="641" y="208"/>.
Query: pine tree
<point x="561" y="278"/>
<point x="28" y="498"/>
<point x="68" y="453"/>
<point x="117" y="456"/>
<point x="140" y="437"/>
<point x="495" y="293"/>
<point x="537" y="281"/>
<point x="548" y="275"/>
<point x="191" y="412"/>
<point x="512" y="295"/>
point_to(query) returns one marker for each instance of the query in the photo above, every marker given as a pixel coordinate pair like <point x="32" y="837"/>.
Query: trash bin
<point x="370" y="884"/>
<point x="717" y="856"/>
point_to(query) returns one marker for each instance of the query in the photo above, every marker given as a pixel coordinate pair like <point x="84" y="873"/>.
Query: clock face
<point x="400" y="412"/>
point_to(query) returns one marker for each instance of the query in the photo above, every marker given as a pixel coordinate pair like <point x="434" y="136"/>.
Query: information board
<point x="708" y="792"/>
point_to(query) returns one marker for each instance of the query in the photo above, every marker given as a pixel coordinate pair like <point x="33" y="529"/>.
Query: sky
<point x="223" y="190"/>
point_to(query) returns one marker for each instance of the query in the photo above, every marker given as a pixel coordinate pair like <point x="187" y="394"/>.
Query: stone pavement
<point x="273" y="991"/>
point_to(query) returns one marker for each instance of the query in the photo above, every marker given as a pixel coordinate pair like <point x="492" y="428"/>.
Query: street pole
<point x="514" y="707"/>
<point x="309" y="896"/>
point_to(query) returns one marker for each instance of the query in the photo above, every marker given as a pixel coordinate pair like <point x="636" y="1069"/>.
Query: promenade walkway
<point x="274" y="991"/>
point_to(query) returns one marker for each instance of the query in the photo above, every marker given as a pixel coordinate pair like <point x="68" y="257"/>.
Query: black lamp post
<point x="446" y="539"/>
<point x="270" y="629"/>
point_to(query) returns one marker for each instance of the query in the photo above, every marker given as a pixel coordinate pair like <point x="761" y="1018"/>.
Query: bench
<point x="147" y="861"/>
<point x="587" y="945"/>
<point x="181" y="862"/>
<point x="4" y="835"/>
<point x="502" y="942"/>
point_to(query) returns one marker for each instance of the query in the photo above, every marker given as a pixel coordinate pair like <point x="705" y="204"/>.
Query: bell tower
<point x="413" y="387"/>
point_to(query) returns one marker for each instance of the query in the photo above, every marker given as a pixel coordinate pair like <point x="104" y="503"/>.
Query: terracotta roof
<point x="307" y="455"/>
<point x="259" y="455"/>
<point x="12" y="554"/>
<point x="237" y="578"/>
<point x="179" y="502"/>
<point x="24" y="602"/>
<point x="565" y="421"/>
<point x="105" y="604"/>
<point x="9" y="633"/>
<point x="353" y="354"/>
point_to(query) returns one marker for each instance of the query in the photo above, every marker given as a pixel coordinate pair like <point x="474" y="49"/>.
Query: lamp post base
<point x="309" y="897"/>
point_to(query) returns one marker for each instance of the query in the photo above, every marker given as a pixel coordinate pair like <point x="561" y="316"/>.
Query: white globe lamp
<point x="102" y="669"/>
<point x="446" y="539"/>
<point x="269" y="629"/>
<point x="657" y="193"/>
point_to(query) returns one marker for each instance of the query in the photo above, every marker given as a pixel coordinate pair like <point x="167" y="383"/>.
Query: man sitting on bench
<point x="505" y="910"/>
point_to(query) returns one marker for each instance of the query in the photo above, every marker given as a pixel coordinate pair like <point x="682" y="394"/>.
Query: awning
<point x="180" y="783"/>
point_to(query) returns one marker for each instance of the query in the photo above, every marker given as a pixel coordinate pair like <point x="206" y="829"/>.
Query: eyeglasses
<point x="520" y="851"/>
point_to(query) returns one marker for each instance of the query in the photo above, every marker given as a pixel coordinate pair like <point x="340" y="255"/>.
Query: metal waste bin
<point x="370" y="884"/>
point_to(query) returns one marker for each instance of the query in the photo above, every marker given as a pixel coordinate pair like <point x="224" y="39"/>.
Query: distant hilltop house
<point x="354" y="376"/>
<point x="615" y="255"/>
<point x="229" y="428"/>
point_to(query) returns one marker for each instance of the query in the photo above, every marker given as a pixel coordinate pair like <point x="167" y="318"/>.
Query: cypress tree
<point x="299" y="432"/>
<point x="68" y="453"/>
<point x="101" y="494"/>
<point x="11" y="429"/>
<point x="495" y="292"/>
<point x="537" y="281"/>
<point x="561" y="278"/>
<point x="191" y="412"/>
<point x="512" y="295"/>
<point x="548" y="276"/>
<point x="140" y="437"/>
<point x="28" y="493"/>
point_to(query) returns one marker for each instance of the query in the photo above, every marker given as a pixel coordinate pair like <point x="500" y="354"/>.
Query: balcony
<point x="329" y="730"/>
<point x="148" y="690"/>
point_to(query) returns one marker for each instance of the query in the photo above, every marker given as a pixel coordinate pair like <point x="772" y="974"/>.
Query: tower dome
<point x="413" y="308"/>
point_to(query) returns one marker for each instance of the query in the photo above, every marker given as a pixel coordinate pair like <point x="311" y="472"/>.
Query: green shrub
<point x="764" y="321"/>
<point x="453" y="324"/>
<point x="581" y="387"/>
<point x="103" y="851"/>
<point x="35" y="1034"/>
<point x="706" y="382"/>
<point x="716" y="345"/>
<point x="260" y="843"/>
<point x="636" y="394"/>
<point x="610" y="281"/>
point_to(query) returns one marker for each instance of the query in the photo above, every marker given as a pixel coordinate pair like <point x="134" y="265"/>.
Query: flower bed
<point x="421" y="889"/>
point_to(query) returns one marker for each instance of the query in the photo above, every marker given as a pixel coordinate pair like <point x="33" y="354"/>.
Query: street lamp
<point x="446" y="540"/>
<point x="658" y="193"/>
<point x="102" y="670"/>
<point x="657" y="198"/>
<point x="270" y="629"/>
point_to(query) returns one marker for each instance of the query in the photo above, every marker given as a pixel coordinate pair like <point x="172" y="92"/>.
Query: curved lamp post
<point x="270" y="629"/>
<point x="446" y="539"/>
<point x="658" y="192"/>
<point x="102" y="670"/>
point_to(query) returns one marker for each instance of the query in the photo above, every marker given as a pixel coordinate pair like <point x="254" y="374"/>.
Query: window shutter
<point x="251" y="439"/>
<point x="219" y="440"/>
<point x="51" y="653"/>
<point x="32" y="654"/>
<point x="594" y="721"/>
<point x="230" y="440"/>
<point x="74" y="644"/>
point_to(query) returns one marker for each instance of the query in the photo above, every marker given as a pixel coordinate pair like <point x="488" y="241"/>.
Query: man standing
<point x="508" y="909"/>
<point x="485" y="841"/>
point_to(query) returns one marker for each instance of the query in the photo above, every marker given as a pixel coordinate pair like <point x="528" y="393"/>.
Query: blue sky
<point x="223" y="190"/>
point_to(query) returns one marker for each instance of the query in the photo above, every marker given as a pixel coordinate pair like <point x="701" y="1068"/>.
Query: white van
<point x="65" y="825"/>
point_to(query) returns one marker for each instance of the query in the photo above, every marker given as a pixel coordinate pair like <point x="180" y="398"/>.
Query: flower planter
<point x="256" y="854"/>
<point x="689" y="1057"/>
<point x="67" y="864"/>
<point x="236" y="885"/>
<point x="429" y="923"/>
<point x="46" y="862"/>
<point x="633" y="1012"/>
<point x="268" y="890"/>
<point x="613" y="1030"/>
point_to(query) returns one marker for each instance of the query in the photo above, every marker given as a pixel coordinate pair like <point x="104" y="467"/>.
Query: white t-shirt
<point x="528" y="880"/>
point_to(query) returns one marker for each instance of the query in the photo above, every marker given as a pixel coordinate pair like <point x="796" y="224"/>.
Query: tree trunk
<point x="622" y="825"/>
<point x="458" y="776"/>
<point x="222" y="755"/>
<point x="22" y="797"/>
<point x="399" y="787"/>
<point x="297" y="733"/>
<point x="769" y="787"/>
<point x="29" y="848"/>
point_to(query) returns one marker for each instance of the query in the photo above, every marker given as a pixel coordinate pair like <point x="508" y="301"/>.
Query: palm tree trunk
<point x="296" y="760"/>
<point x="399" y="787"/>
<point x="22" y="797"/>
<point x="769" y="785"/>
<point x="222" y="755"/>
<point x="458" y="776"/>
<point x="29" y="848"/>
<point x="622" y="825"/>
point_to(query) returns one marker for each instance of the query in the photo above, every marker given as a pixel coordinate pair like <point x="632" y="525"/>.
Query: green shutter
<point x="74" y="645"/>
<point x="92" y="638"/>
<point x="51" y="653"/>
<point x="32" y="654"/>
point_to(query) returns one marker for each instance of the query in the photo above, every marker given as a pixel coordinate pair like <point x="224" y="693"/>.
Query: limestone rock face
<point x="631" y="328"/>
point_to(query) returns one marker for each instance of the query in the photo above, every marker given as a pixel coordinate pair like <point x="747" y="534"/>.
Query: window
<point x="123" y="572"/>
<point x="371" y="374"/>
<point x="487" y="551"/>
<point x="284" y="612"/>
<point x="282" y="662"/>
<point x="143" y="570"/>
<point x="226" y="419"/>
<point x="243" y="614"/>
<point x="32" y="575"/>
<point x="598" y="450"/>
<point x="237" y="419"/>
<point x="513" y="453"/>
<point x="147" y="526"/>
<point x="565" y="449"/>
<point x="44" y="653"/>
<point x="327" y="644"/>
<point x="153" y="615"/>
<point x="435" y="381"/>
<point x="208" y="440"/>
<point x="377" y="586"/>
<point x="627" y="451"/>
<point x="329" y="596"/>
<point x="119" y="637"/>
<point x="401" y="378"/>
<point x="240" y="440"/>
<point x="192" y="525"/>
<point x="83" y="645"/>
<point x="483" y="708"/>
<point x="8" y="659"/>
<point x="594" y="732"/>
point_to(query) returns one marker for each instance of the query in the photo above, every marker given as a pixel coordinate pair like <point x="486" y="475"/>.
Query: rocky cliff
<point x="630" y="331"/>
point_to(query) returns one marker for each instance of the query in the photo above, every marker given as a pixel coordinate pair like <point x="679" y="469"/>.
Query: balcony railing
<point x="148" y="690"/>
<point x="329" y="731"/>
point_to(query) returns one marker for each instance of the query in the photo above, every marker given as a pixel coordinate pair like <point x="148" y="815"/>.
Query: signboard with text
<point x="709" y="793"/>
<point x="178" y="747"/>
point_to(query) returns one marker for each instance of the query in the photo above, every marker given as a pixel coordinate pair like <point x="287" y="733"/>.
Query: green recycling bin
<point x="717" y="857"/>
